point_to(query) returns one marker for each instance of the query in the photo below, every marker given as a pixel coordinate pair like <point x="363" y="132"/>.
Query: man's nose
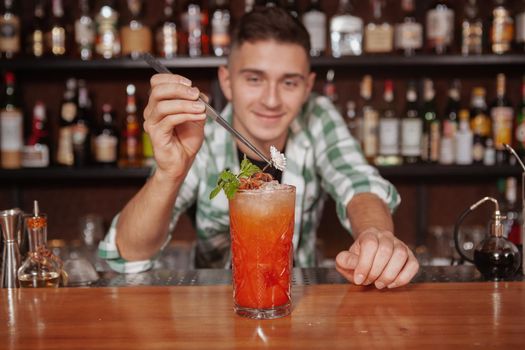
<point x="271" y="96"/>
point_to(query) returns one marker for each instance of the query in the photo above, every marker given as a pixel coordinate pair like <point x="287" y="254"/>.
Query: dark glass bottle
<point x="36" y="45"/>
<point x="431" y="125"/>
<point x="106" y="140"/>
<point x="85" y="32"/>
<point x="450" y="125"/>
<point x="9" y="31"/>
<point x="56" y="36"/>
<point x="168" y="31"/>
<point x="68" y="114"/>
<point x="36" y="151"/>
<point x="411" y="128"/>
<point x="81" y="128"/>
<point x="480" y="124"/>
<point x="130" y="145"/>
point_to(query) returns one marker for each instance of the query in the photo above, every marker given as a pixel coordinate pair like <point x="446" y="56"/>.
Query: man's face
<point x="267" y="82"/>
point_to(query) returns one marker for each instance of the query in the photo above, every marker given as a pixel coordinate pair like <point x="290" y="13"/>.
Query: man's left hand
<point x="378" y="257"/>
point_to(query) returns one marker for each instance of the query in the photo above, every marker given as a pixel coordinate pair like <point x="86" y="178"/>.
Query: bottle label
<point x="409" y="36"/>
<point x="9" y="34"/>
<point x="37" y="43"/>
<point x="135" y="40"/>
<point x="108" y="40"/>
<point x="446" y="155"/>
<point x="434" y="141"/>
<point x="11" y="128"/>
<point x="220" y="37"/>
<point x="478" y="151"/>
<point x="106" y="148"/>
<point x="502" y="33"/>
<point x="440" y="26"/>
<point x="56" y="40"/>
<point x="84" y="31"/>
<point x="167" y="40"/>
<point x="69" y="111"/>
<point x="520" y="28"/>
<point x="464" y="147"/>
<point x="449" y="129"/>
<point x="35" y="156"/>
<point x="370" y="125"/>
<point x="65" y="146"/>
<point x="379" y="38"/>
<point x="502" y="118"/>
<point x="389" y="136"/>
<point x="480" y="125"/>
<point x="472" y="38"/>
<point x="346" y="34"/>
<point x="315" y="23"/>
<point x="79" y="134"/>
<point x="411" y="130"/>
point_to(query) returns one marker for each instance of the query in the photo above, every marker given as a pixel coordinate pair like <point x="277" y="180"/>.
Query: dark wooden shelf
<point x="32" y="64"/>
<point x="409" y="172"/>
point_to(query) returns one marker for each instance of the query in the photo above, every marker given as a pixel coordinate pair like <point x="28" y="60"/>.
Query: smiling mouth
<point x="269" y="116"/>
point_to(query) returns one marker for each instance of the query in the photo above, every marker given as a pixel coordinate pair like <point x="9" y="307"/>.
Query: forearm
<point x="143" y="223"/>
<point x="367" y="210"/>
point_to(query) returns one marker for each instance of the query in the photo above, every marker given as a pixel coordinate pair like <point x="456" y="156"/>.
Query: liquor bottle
<point x="501" y="28"/>
<point x="502" y="115"/>
<point x="167" y="33"/>
<point x="9" y="31"/>
<point x="409" y="33"/>
<point x="106" y="140"/>
<point x="353" y="122"/>
<point x="81" y="128"/>
<point x="11" y="127"/>
<point x="220" y="28"/>
<point x="314" y="19"/>
<point x="388" y="130"/>
<point x="431" y="125"/>
<point x="192" y="24"/>
<point x="450" y="125"/>
<point x="379" y="34"/>
<point x="68" y="114"/>
<point x="291" y="7"/>
<point x="147" y="150"/>
<point x="36" y="46"/>
<point x="56" y="36"/>
<point x="130" y="155"/>
<point x="248" y="5"/>
<point x="370" y="117"/>
<point x="36" y="151"/>
<point x="135" y="36"/>
<point x="330" y="90"/>
<point x="411" y="128"/>
<point x="84" y="32"/>
<point x="512" y="226"/>
<point x="489" y="157"/>
<point x="520" y="27"/>
<point x="464" y="139"/>
<point x="520" y="124"/>
<point x="471" y="30"/>
<point x="346" y="31"/>
<point x="440" y="27"/>
<point x="480" y="124"/>
<point x="108" y="40"/>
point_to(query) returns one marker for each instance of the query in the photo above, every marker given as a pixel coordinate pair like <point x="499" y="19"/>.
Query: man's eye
<point x="290" y="83"/>
<point x="253" y="79"/>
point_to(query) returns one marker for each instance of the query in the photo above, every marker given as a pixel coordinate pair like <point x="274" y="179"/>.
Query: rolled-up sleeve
<point x="339" y="161"/>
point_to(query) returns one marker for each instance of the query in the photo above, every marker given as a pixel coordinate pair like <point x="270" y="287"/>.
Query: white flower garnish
<point x="278" y="159"/>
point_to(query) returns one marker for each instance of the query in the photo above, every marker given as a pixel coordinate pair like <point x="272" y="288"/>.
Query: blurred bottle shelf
<point x="384" y="61"/>
<point x="408" y="172"/>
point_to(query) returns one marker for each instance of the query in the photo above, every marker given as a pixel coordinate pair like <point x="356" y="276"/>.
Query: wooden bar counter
<point x="325" y="316"/>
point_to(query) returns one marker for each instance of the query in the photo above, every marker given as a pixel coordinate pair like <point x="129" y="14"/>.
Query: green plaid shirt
<point x="322" y="159"/>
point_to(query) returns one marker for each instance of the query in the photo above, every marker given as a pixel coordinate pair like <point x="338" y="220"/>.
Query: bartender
<point x="268" y="84"/>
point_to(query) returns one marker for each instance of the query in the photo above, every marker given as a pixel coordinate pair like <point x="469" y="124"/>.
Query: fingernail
<point x="359" y="279"/>
<point x="380" y="285"/>
<point x="193" y="91"/>
<point x="185" y="81"/>
<point x="392" y="285"/>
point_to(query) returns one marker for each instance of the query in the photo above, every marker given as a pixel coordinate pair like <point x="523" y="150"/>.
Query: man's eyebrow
<point x="260" y="72"/>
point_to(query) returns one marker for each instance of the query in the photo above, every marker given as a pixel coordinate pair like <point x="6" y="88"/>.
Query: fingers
<point x="169" y="79"/>
<point x="367" y="252"/>
<point x="345" y="263"/>
<point x="396" y="263"/>
<point x="169" y="122"/>
<point x="407" y="273"/>
<point x="381" y="259"/>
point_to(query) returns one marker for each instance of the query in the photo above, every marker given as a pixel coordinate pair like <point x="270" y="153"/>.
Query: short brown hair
<point x="265" y="23"/>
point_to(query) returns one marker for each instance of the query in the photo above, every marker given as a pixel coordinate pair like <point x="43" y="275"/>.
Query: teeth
<point x="278" y="159"/>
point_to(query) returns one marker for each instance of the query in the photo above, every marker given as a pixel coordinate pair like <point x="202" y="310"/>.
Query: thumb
<point x="347" y="260"/>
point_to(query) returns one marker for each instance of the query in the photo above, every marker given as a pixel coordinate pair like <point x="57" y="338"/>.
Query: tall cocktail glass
<point x="262" y="225"/>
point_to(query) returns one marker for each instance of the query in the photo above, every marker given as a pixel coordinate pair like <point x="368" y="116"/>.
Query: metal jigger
<point x="513" y="152"/>
<point x="10" y="222"/>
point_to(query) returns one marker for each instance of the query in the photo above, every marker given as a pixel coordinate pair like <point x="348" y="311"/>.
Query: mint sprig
<point x="229" y="182"/>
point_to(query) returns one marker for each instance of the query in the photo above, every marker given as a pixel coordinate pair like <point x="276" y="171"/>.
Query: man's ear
<point x="225" y="81"/>
<point x="310" y="81"/>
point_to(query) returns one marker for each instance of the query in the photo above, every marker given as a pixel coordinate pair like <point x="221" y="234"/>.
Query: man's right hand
<point x="174" y="120"/>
